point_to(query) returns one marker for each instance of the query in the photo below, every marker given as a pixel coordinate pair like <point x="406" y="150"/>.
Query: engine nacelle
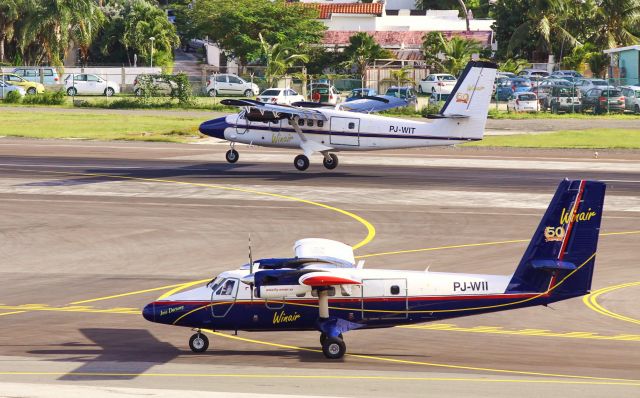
<point x="280" y="291"/>
<point x="276" y="284"/>
<point x="325" y="249"/>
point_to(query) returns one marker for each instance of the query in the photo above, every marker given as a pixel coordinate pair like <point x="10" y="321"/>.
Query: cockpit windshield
<point x="215" y="283"/>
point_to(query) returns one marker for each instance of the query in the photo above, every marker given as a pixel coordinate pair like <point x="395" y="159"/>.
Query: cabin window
<point x="320" y="123"/>
<point x="301" y="122"/>
<point x="310" y="122"/>
<point x="352" y="126"/>
<point x="395" y="290"/>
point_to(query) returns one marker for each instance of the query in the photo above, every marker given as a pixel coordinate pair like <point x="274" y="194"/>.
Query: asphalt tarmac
<point x="90" y="232"/>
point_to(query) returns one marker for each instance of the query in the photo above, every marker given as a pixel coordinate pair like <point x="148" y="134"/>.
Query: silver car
<point x="585" y="85"/>
<point x="228" y="84"/>
<point x="7" y="88"/>
<point x="631" y="98"/>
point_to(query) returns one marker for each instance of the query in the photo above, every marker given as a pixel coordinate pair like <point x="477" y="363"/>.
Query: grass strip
<point x="585" y="139"/>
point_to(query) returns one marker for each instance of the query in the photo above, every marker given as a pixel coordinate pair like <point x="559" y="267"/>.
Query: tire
<point x="301" y="162"/>
<point x="330" y="164"/>
<point x="334" y="348"/>
<point x="138" y="92"/>
<point x="199" y="343"/>
<point x="554" y="109"/>
<point x="508" y="109"/>
<point x="213" y="93"/>
<point x="32" y="91"/>
<point x="636" y="110"/>
<point x="72" y="92"/>
<point x="109" y="92"/>
<point x="248" y="93"/>
<point x="323" y="337"/>
<point x="232" y="156"/>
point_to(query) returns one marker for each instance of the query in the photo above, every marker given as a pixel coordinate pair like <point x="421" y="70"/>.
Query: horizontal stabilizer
<point x="441" y="116"/>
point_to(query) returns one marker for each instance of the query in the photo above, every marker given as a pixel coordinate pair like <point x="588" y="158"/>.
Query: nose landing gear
<point x="199" y="342"/>
<point x="232" y="155"/>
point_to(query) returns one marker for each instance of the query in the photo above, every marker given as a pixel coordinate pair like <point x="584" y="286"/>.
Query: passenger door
<point x="222" y="85"/>
<point x="344" y="131"/>
<point x="94" y="85"/>
<point x="236" y="86"/>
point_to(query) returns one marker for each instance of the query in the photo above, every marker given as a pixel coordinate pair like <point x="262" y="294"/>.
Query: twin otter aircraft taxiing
<point x="323" y="288"/>
<point x="351" y="126"/>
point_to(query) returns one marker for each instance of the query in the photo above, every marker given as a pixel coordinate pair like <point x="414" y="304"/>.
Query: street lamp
<point x="152" y="40"/>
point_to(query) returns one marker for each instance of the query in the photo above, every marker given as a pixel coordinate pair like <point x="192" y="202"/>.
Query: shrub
<point x="46" y="98"/>
<point x="12" y="97"/>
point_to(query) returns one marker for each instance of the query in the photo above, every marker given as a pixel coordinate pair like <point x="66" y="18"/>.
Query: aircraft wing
<point x="373" y="104"/>
<point x="274" y="111"/>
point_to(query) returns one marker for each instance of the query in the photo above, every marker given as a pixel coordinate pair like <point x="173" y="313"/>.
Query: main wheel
<point x="636" y="109"/>
<point x="213" y="93"/>
<point x="232" y="156"/>
<point x="248" y="93"/>
<point x="109" y="92"/>
<point x="31" y="91"/>
<point x="334" y="348"/>
<point x="323" y="337"/>
<point x="332" y="162"/>
<point x="71" y="91"/>
<point x="555" y="109"/>
<point x="301" y="162"/>
<point x="199" y="343"/>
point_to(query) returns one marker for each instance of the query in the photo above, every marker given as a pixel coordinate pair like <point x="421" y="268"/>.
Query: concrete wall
<point x="443" y="21"/>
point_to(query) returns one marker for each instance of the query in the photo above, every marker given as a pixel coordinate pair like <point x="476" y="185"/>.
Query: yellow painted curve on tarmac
<point x="591" y="301"/>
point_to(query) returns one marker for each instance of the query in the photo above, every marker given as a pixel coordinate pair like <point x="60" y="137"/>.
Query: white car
<point x="86" y="84"/>
<point x="283" y="96"/>
<point x="7" y="88"/>
<point x="523" y="102"/>
<point x="228" y="84"/>
<point x="437" y="83"/>
<point x="533" y="72"/>
<point x="585" y="85"/>
<point x="631" y="98"/>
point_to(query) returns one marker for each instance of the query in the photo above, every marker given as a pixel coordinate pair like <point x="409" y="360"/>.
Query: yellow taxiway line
<point x="591" y="301"/>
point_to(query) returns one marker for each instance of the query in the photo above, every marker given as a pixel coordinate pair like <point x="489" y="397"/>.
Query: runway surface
<point x="90" y="232"/>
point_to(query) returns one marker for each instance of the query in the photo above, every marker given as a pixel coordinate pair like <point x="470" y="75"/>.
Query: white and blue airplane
<point x="351" y="126"/>
<point x="323" y="288"/>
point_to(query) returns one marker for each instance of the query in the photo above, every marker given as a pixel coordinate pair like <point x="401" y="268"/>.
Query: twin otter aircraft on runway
<point x="350" y="126"/>
<point x="323" y="288"/>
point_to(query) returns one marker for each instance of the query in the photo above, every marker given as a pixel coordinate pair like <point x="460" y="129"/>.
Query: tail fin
<point x="561" y="255"/>
<point x="471" y="97"/>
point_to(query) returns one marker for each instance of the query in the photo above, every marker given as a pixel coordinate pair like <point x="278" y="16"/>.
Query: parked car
<point x="508" y="75"/>
<point x="556" y="82"/>
<point x="283" y="96"/>
<point x="440" y="83"/>
<point x="603" y="100"/>
<point x="523" y="102"/>
<point x="87" y="84"/>
<point x="229" y="84"/>
<point x="536" y="80"/>
<point x="564" y="99"/>
<point x="324" y="92"/>
<point x="406" y="93"/>
<point x="587" y="84"/>
<point x="7" y="88"/>
<point x="30" y="87"/>
<point x="566" y="73"/>
<point x="49" y="76"/>
<point x="358" y="93"/>
<point x="533" y="72"/>
<point x="155" y="83"/>
<point x="631" y="98"/>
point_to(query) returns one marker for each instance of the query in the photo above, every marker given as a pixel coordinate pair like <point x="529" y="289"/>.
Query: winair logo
<point x="281" y="138"/>
<point x="171" y="310"/>
<point x="462" y="97"/>
<point x="283" y="317"/>
<point x="566" y="217"/>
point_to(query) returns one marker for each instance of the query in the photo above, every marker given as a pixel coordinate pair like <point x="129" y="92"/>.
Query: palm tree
<point x="615" y="21"/>
<point x="546" y="20"/>
<point x="400" y="76"/>
<point x="362" y="50"/>
<point x="9" y="15"/>
<point x="278" y="60"/>
<point x="457" y="52"/>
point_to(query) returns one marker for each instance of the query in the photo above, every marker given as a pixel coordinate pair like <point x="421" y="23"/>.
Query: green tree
<point x="431" y="48"/>
<point x="278" y="60"/>
<point x="598" y="63"/>
<point x="546" y="22"/>
<point x="9" y="15"/>
<point x="362" y="50"/>
<point x="457" y="53"/>
<point x="617" y="22"/>
<point x="513" y="65"/>
<point x="235" y="25"/>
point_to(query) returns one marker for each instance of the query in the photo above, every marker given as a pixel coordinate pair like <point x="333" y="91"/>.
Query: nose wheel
<point x="232" y="155"/>
<point x="301" y="162"/>
<point x="199" y="343"/>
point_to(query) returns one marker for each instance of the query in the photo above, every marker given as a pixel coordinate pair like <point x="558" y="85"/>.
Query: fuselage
<point x="342" y="131"/>
<point x="385" y="298"/>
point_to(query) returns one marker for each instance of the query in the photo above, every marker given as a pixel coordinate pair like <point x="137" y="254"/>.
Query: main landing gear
<point x="199" y="342"/>
<point x="330" y="161"/>
<point x="331" y="340"/>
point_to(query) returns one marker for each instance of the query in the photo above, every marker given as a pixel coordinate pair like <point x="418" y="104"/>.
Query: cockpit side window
<point x="226" y="288"/>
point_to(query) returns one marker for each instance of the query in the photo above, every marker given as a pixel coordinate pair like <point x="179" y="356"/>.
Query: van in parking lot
<point x="45" y="75"/>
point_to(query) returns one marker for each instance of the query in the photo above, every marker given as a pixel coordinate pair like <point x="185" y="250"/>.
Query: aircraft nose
<point x="215" y="127"/>
<point x="149" y="312"/>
